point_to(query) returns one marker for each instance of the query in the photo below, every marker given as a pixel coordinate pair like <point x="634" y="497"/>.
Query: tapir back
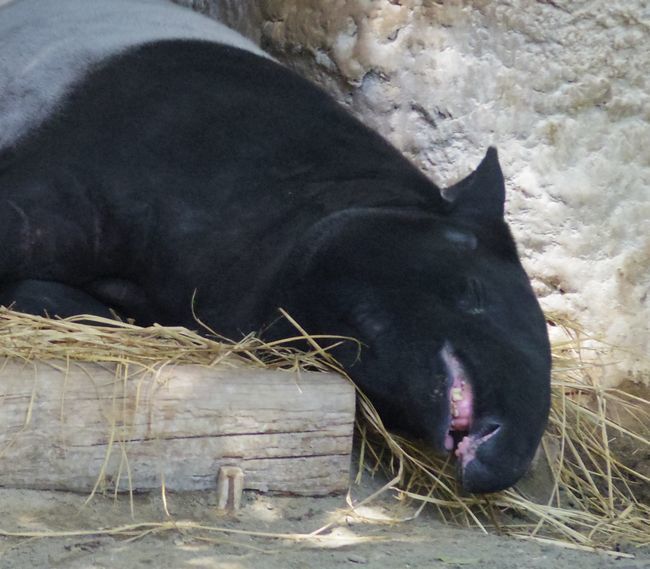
<point x="47" y="46"/>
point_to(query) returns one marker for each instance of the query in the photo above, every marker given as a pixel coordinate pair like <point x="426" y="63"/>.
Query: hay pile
<point x="593" y="500"/>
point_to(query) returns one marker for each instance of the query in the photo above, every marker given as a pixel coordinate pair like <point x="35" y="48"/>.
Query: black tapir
<point x="148" y="153"/>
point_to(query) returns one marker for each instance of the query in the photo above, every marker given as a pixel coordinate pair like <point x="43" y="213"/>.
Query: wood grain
<point x="75" y="427"/>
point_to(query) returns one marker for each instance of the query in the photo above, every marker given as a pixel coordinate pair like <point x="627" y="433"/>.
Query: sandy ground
<point x="424" y="542"/>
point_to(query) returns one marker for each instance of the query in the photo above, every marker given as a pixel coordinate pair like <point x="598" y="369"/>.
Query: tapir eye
<point x="473" y="300"/>
<point x="371" y="325"/>
<point x="369" y="319"/>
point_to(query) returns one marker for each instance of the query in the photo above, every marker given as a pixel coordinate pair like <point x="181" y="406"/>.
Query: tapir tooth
<point x="449" y="442"/>
<point x="457" y="394"/>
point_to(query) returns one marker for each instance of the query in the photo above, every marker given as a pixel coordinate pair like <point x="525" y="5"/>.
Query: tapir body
<point x="155" y="163"/>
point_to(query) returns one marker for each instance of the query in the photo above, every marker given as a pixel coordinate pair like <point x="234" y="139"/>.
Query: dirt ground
<point x="423" y="542"/>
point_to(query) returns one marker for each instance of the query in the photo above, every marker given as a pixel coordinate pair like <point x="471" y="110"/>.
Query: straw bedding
<point x="596" y="495"/>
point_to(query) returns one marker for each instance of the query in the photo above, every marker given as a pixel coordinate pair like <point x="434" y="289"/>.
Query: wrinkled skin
<point x="185" y="166"/>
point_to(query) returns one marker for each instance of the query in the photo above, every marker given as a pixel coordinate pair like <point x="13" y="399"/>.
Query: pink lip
<point x="461" y="403"/>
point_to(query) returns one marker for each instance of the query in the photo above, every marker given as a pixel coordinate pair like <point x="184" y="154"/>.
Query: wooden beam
<point x="73" y="428"/>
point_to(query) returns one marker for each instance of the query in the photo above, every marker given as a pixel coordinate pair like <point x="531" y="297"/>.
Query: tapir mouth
<point x="459" y="437"/>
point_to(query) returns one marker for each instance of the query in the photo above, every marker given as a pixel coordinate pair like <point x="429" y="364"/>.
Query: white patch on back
<point x="45" y="46"/>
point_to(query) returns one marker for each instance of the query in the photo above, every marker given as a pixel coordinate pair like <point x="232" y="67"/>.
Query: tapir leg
<point x="50" y="298"/>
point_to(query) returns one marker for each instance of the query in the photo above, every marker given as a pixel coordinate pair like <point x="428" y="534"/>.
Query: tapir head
<point x="454" y="344"/>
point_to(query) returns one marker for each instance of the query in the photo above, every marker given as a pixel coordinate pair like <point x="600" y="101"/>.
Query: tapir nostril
<point x="467" y="447"/>
<point x="488" y="430"/>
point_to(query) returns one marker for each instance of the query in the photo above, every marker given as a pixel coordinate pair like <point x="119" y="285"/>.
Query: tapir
<point x="158" y="165"/>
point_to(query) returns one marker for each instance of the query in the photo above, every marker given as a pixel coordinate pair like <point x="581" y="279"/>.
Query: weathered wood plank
<point x="67" y="428"/>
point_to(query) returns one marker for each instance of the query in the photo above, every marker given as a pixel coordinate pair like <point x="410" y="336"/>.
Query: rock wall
<point x="561" y="88"/>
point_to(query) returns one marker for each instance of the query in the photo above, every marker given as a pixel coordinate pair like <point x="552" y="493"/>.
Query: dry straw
<point x="590" y="496"/>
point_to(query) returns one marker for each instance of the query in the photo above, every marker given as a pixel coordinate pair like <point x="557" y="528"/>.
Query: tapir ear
<point x="482" y="194"/>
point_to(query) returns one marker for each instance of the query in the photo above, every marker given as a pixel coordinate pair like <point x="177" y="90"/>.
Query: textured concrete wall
<point x="560" y="87"/>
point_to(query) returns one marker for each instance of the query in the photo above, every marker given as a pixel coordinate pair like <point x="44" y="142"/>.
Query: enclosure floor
<point x="424" y="542"/>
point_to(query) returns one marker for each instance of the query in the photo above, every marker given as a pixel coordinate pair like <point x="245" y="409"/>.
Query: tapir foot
<point x="50" y="298"/>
